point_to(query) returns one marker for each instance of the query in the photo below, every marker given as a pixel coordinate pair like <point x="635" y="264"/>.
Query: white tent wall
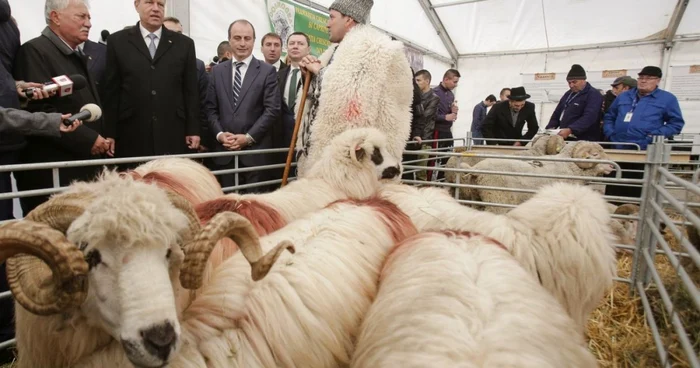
<point x="486" y="75"/>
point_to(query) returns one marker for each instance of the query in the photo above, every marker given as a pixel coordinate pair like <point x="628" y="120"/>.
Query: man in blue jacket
<point x="643" y="112"/>
<point x="578" y="111"/>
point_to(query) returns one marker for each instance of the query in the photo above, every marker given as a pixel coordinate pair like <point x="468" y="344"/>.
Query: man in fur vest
<point x="362" y="80"/>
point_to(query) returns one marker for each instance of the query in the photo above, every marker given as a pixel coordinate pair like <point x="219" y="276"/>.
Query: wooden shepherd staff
<point x="297" y="123"/>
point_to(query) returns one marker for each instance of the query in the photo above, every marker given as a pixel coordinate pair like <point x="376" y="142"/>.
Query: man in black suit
<point x="507" y="119"/>
<point x="152" y="96"/>
<point x="96" y="60"/>
<point x="243" y="106"/>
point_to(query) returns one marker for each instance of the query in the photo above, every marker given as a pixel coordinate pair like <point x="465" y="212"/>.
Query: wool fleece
<point x="365" y="81"/>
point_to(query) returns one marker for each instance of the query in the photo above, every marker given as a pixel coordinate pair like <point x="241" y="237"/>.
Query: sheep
<point x="578" y="150"/>
<point x="561" y="236"/>
<point x="625" y="230"/>
<point x="99" y="264"/>
<point x="308" y="309"/>
<point x="455" y="299"/>
<point x="351" y="167"/>
<point x="538" y="147"/>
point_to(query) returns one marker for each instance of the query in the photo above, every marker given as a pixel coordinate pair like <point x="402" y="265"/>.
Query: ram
<point x="458" y="299"/>
<point x="308" y="309"/>
<point x="350" y="167"/>
<point x="561" y="236"/>
<point x="99" y="264"/>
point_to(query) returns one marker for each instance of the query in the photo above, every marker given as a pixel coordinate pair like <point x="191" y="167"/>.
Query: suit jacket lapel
<point x="250" y="75"/>
<point x="228" y="82"/>
<point x="138" y="41"/>
<point x="166" y="42"/>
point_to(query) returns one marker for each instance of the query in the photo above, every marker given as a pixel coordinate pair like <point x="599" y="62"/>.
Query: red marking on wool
<point x="397" y="222"/>
<point x="165" y="181"/>
<point x="264" y="218"/>
<point x="353" y="110"/>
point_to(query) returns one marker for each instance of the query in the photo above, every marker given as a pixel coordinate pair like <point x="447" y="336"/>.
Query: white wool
<point x="561" y="235"/>
<point x="370" y="75"/>
<point x="454" y="301"/>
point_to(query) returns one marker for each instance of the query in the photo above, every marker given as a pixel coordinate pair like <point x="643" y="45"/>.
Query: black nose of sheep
<point x="391" y="172"/>
<point x="159" y="340"/>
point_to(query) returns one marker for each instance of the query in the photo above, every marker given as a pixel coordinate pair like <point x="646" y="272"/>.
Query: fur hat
<point x="576" y="72"/>
<point x="356" y="9"/>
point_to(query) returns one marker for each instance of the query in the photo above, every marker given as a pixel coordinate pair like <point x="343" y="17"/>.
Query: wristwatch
<point x="249" y="139"/>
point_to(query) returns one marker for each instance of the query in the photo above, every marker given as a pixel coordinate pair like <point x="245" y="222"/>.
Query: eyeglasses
<point x="647" y="78"/>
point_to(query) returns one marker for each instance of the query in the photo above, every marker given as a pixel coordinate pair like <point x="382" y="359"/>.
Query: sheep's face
<point x="132" y="245"/>
<point x="357" y="161"/>
<point x="592" y="151"/>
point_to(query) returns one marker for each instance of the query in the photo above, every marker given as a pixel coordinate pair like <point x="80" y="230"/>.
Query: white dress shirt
<point x="289" y="81"/>
<point x="145" y="33"/>
<point x="278" y="64"/>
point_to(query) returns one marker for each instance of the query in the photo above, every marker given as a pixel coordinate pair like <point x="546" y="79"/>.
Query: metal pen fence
<point x="663" y="191"/>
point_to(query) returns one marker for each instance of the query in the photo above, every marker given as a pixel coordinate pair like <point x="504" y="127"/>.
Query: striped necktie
<point x="237" y="83"/>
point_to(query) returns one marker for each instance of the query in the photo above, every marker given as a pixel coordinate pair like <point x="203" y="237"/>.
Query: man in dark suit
<point x="96" y="60"/>
<point x="243" y="106"/>
<point x="152" y="99"/>
<point x="67" y="28"/>
<point x="507" y="119"/>
<point x="207" y="139"/>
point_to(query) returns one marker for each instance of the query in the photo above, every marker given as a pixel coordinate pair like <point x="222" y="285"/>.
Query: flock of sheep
<point x="342" y="268"/>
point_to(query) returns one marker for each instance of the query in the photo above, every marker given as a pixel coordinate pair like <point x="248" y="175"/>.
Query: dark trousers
<point x="249" y="177"/>
<point x="7" y="326"/>
<point x="411" y="146"/>
<point x="441" y="145"/>
<point x="626" y="191"/>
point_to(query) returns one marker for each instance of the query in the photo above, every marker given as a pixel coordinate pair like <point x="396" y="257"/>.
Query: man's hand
<point x="111" y="145"/>
<point x="67" y="129"/>
<point x="311" y="64"/>
<point x="39" y="93"/>
<point x="226" y="139"/>
<point x="565" y="133"/>
<point x="239" y="142"/>
<point x="101" y="146"/>
<point x="455" y="108"/>
<point x="192" y="141"/>
<point x="517" y="144"/>
<point x="451" y="117"/>
<point x="419" y="140"/>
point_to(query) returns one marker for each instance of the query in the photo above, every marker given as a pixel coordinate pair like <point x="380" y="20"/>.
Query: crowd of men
<point x="633" y="111"/>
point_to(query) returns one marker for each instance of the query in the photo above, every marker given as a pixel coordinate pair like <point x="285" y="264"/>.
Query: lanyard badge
<point x="628" y="116"/>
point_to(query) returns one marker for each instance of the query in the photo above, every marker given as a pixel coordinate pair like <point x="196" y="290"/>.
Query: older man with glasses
<point x="643" y="112"/>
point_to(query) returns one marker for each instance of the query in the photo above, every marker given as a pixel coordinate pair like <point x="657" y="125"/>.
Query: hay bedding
<point x="618" y="330"/>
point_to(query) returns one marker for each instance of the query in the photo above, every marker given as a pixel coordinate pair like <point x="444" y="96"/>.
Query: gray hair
<point x="56" y="5"/>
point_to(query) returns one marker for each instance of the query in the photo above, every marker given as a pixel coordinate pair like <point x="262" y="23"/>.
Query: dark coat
<point x="499" y="123"/>
<point x="256" y="113"/>
<point x="151" y="104"/>
<point x="207" y="139"/>
<point x="40" y="60"/>
<point x="9" y="45"/>
<point x="97" y="60"/>
<point x="582" y="115"/>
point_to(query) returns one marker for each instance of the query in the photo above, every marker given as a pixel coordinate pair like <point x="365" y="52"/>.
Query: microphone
<point x="215" y="59"/>
<point x="88" y="114"/>
<point x="63" y="84"/>
<point x="105" y="34"/>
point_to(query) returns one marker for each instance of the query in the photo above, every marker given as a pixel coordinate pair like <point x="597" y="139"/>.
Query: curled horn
<point x="240" y="230"/>
<point x="185" y="206"/>
<point x="582" y="151"/>
<point x="46" y="273"/>
<point x="554" y="145"/>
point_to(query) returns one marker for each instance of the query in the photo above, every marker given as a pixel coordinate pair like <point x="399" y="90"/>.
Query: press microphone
<point x="215" y="59"/>
<point x="105" y="34"/>
<point x="64" y="85"/>
<point x="88" y="114"/>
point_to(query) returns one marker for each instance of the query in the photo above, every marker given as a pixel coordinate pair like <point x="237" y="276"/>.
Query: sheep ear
<point x="358" y="153"/>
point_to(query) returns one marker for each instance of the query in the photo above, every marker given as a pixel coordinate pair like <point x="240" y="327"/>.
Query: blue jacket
<point x="655" y="114"/>
<point x="582" y="115"/>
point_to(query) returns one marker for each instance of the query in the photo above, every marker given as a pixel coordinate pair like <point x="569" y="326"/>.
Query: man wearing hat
<point x="507" y="119"/>
<point x="578" y="111"/>
<point x="621" y="84"/>
<point x="364" y="80"/>
<point x="643" y="112"/>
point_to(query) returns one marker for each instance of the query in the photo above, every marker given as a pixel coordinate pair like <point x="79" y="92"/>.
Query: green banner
<point x="287" y="18"/>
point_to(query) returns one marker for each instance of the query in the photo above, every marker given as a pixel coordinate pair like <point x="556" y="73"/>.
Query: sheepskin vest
<point x="365" y="81"/>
